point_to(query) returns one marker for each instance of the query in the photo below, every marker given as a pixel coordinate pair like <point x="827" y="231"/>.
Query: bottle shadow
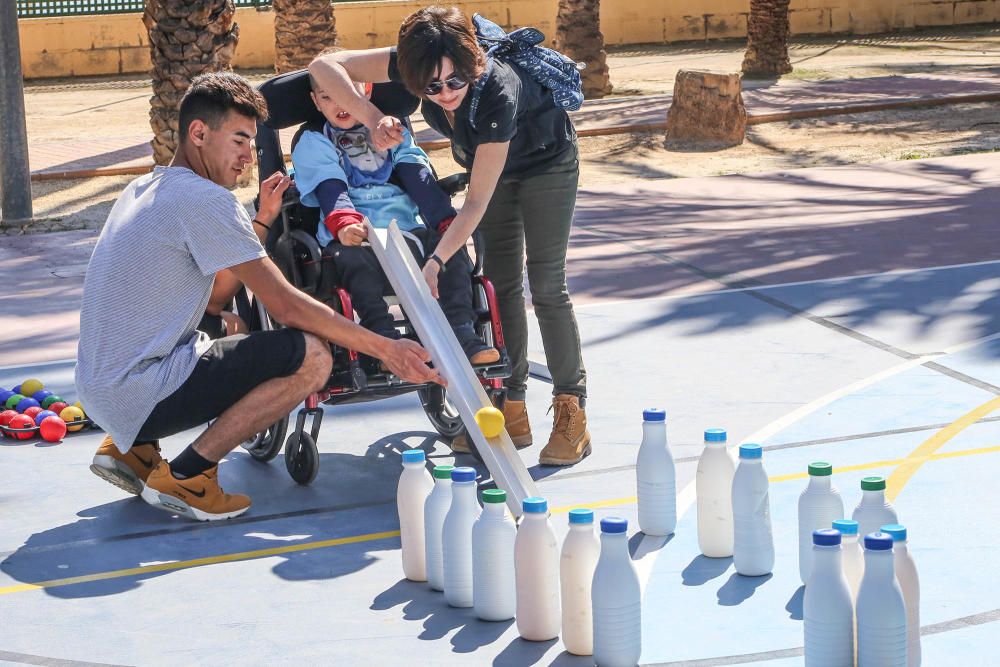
<point x="739" y="588"/>
<point x="794" y="606"/>
<point x="703" y="569"/>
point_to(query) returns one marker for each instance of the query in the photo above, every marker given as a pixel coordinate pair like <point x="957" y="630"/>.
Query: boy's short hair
<point x="211" y="96"/>
<point x="428" y="35"/>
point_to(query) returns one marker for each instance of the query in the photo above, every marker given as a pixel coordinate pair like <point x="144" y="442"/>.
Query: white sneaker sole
<point x="174" y="505"/>
<point x="114" y="471"/>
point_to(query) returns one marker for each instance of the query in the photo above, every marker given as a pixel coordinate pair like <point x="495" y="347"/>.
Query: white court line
<point x="57" y="362"/>
<point x="649" y="547"/>
<point x="761" y="288"/>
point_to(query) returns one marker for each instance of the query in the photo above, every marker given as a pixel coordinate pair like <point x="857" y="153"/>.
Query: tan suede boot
<point x="570" y="440"/>
<point x="515" y="417"/>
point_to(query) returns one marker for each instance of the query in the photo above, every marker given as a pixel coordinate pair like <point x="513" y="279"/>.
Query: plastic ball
<point x="43" y="415"/>
<point x="16" y="389"/>
<point x="72" y="415"/>
<point x="52" y="429"/>
<point x="5" y="418"/>
<point x="33" y="411"/>
<point x="29" y="387"/>
<point x="78" y="404"/>
<point x="56" y="407"/>
<point x="4" y="395"/>
<point x="12" y="401"/>
<point x="21" y="421"/>
<point x="50" y="399"/>
<point x="490" y="420"/>
<point x="41" y="395"/>
<point x="25" y="403"/>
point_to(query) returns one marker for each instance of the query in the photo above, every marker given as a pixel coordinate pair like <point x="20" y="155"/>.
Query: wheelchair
<point x="292" y="244"/>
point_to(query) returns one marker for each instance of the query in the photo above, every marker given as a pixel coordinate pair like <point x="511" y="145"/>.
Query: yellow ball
<point x="490" y="421"/>
<point x="71" y="414"/>
<point x="29" y="387"/>
<point x="80" y="405"/>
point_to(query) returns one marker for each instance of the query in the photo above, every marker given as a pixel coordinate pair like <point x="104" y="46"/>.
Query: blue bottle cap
<point x="654" y="415"/>
<point x="535" y="505"/>
<point x="715" y="435"/>
<point x="826" y="537"/>
<point x="463" y="474"/>
<point x="581" y="516"/>
<point x="878" y="542"/>
<point x="751" y="451"/>
<point x="414" y="456"/>
<point x="897" y="531"/>
<point x="614" y="524"/>
<point x="846" y="526"/>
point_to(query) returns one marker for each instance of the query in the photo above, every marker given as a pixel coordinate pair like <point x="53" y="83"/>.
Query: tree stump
<point x="707" y="111"/>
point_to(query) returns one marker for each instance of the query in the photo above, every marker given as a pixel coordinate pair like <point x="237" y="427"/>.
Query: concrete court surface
<point x="843" y="314"/>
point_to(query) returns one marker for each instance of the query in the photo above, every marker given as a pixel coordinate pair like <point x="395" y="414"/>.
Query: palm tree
<point x="302" y="28"/>
<point x="767" y="39"/>
<point x="579" y="36"/>
<point x="186" y="38"/>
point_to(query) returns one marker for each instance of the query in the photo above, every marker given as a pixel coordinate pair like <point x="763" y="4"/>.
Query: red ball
<point x="33" y="412"/>
<point x="53" y="429"/>
<point x="5" y="418"/>
<point x="22" y="421"/>
<point x="58" y="407"/>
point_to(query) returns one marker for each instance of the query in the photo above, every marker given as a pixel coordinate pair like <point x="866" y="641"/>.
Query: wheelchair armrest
<point x="455" y="183"/>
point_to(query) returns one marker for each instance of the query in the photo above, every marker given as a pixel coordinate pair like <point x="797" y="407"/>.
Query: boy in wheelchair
<point x="339" y="171"/>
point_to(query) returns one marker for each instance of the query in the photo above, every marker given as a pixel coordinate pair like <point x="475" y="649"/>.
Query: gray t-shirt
<point x="146" y="289"/>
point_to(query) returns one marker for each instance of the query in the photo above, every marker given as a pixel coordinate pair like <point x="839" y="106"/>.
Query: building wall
<point x="117" y="43"/>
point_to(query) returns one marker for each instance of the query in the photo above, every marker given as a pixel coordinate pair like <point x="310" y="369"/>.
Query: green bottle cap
<point x="873" y="483"/>
<point x="494" y="496"/>
<point x="443" y="472"/>
<point x="820" y="469"/>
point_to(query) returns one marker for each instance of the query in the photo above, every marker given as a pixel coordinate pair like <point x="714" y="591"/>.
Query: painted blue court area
<point x="879" y="375"/>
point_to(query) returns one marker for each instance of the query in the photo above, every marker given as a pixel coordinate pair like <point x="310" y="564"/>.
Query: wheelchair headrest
<point x="289" y="104"/>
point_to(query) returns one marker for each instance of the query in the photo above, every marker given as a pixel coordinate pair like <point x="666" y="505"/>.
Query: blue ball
<point x="17" y="389"/>
<point x="42" y="415"/>
<point x="4" y="395"/>
<point x="41" y="395"/>
<point x="26" y="403"/>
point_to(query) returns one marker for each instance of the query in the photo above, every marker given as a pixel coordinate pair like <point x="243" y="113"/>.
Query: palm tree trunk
<point x="767" y="39"/>
<point x="302" y="29"/>
<point x="186" y="38"/>
<point x="579" y="36"/>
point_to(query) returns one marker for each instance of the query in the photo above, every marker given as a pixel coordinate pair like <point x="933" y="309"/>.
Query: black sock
<point x="189" y="463"/>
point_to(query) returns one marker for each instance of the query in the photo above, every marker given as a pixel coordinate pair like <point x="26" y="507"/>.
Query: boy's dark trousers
<point x="357" y="270"/>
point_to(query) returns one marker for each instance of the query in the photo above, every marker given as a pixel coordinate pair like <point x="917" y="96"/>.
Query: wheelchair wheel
<point x="265" y="445"/>
<point x="301" y="457"/>
<point x="441" y="413"/>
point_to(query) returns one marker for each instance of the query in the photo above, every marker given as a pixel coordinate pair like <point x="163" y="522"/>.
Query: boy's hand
<point x="271" y="190"/>
<point x="388" y="132"/>
<point x="431" y="271"/>
<point x="353" y="234"/>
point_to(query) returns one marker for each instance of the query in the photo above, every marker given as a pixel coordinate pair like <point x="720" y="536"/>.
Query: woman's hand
<point x="431" y="271"/>
<point x="387" y="133"/>
<point x="352" y="234"/>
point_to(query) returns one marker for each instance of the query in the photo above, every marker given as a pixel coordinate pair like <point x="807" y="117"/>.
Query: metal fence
<point x="42" y="8"/>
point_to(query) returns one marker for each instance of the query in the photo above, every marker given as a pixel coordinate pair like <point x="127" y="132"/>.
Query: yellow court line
<point x="371" y="537"/>
<point x="901" y="475"/>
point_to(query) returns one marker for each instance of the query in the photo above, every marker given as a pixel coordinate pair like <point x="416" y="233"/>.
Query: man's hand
<point x="431" y="271"/>
<point x="271" y="190"/>
<point x="388" y="132"/>
<point x="353" y="234"/>
<point x="407" y="360"/>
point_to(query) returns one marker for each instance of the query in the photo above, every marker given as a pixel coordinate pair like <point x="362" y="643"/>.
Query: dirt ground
<point x="58" y="110"/>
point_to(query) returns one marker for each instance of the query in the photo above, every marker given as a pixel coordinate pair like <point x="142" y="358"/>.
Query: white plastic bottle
<point x="714" y="491"/>
<point x="909" y="584"/>
<point x="881" y="610"/>
<point x="435" y="509"/>
<point x="753" y="542"/>
<point x="655" y="477"/>
<point x="414" y="486"/>
<point x="536" y="569"/>
<point x="820" y="505"/>
<point x="493" y="596"/>
<point x="617" y="600"/>
<point x="874" y="510"/>
<point x="827" y="610"/>
<point x="851" y="556"/>
<point x="577" y="560"/>
<point x="456" y="537"/>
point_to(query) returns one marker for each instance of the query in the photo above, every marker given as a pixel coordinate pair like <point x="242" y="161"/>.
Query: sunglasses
<point x="454" y="82"/>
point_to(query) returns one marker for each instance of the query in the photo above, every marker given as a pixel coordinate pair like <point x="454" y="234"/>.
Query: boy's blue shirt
<point x="349" y="156"/>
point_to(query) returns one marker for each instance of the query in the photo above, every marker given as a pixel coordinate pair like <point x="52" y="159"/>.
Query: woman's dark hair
<point x="211" y="96"/>
<point x="430" y="34"/>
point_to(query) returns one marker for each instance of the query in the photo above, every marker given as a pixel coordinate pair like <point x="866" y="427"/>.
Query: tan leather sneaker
<point x="199" y="497"/>
<point x="570" y="440"/>
<point x="127" y="471"/>
<point x="515" y="418"/>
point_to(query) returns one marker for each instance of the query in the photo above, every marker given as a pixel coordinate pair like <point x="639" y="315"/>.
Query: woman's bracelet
<point x="256" y="221"/>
